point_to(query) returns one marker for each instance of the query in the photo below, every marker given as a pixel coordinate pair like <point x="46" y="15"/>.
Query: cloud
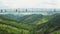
<point x="30" y="3"/>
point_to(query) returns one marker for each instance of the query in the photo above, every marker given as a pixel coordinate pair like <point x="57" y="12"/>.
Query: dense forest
<point x="30" y="24"/>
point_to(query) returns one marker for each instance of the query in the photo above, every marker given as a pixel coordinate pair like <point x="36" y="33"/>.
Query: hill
<point x="30" y="24"/>
<point x="50" y="27"/>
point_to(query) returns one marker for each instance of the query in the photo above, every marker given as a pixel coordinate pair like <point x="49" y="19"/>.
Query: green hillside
<point x="31" y="19"/>
<point x="21" y="27"/>
<point x="30" y="24"/>
<point x="51" y="26"/>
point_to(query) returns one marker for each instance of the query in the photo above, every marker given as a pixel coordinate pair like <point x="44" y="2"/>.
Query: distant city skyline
<point x="27" y="11"/>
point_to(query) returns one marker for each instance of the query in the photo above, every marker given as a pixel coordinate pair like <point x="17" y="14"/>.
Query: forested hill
<point x="50" y="27"/>
<point x="30" y="24"/>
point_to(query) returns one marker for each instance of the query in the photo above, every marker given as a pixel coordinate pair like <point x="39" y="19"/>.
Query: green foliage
<point x="31" y="24"/>
<point x="5" y="29"/>
<point x="49" y="26"/>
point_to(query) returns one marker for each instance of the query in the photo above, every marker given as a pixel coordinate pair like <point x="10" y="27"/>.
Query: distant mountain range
<point x="30" y="19"/>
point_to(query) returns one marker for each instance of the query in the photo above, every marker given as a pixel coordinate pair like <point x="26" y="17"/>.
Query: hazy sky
<point x="29" y="3"/>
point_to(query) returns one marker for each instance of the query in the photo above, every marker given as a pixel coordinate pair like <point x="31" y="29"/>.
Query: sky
<point x="29" y="3"/>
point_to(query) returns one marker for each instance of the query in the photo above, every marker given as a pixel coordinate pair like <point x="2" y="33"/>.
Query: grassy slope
<point x="49" y="26"/>
<point x="23" y="28"/>
<point x="46" y="25"/>
<point x="30" y="19"/>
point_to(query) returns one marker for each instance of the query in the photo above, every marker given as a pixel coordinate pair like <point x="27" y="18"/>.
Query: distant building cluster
<point x="37" y="11"/>
<point x="27" y="10"/>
